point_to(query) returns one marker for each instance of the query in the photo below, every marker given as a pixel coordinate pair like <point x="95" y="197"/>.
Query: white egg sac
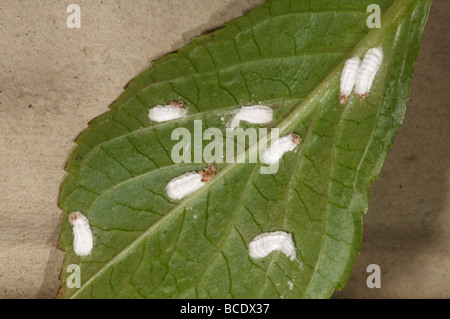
<point x="83" y="239"/>
<point x="265" y="243"/>
<point x="277" y="149"/>
<point x="186" y="184"/>
<point x="348" y="78"/>
<point x="255" y="114"/>
<point x="162" y="113"/>
<point x="367" y="71"/>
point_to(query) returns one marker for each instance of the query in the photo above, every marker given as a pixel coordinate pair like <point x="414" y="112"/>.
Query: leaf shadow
<point x="49" y="285"/>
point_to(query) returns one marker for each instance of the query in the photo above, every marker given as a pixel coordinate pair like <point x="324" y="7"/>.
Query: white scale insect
<point x="277" y="149"/>
<point x="83" y="240"/>
<point x="186" y="184"/>
<point x="348" y="78"/>
<point x="367" y="71"/>
<point x="255" y="114"/>
<point x="162" y="113"/>
<point x="265" y="243"/>
<point x="360" y="75"/>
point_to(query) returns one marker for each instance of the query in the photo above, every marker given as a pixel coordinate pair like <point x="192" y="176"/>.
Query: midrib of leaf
<point x="372" y="38"/>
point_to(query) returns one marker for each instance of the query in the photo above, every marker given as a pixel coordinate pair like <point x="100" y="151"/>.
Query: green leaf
<point x="290" y="53"/>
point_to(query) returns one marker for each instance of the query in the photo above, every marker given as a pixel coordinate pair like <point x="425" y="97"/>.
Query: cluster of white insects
<point x="186" y="184"/>
<point x="356" y="75"/>
<point x="360" y="75"/>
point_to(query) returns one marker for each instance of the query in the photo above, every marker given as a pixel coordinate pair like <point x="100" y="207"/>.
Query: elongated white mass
<point x="162" y="113"/>
<point x="348" y="78"/>
<point x="83" y="239"/>
<point x="184" y="185"/>
<point x="277" y="149"/>
<point x="265" y="243"/>
<point x="367" y="71"/>
<point x="255" y="114"/>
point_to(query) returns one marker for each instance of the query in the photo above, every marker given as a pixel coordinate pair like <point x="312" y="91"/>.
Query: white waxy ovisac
<point x="162" y="113"/>
<point x="265" y="243"/>
<point x="348" y="78"/>
<point x="277" y="149"/>
<point x="186" y="184"/>
<point x="255" y="114"/>
<point x="83" y="239"/>
<point x="368" y="69"/>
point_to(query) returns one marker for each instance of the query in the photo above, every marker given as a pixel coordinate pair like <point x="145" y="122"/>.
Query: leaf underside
<point x="285" y="52"/>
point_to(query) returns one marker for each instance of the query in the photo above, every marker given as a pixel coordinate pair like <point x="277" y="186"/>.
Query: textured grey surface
<point x="54" y="80"/>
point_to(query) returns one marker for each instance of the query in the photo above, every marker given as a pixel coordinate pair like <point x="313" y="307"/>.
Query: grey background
<point x="54" y="80"/>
